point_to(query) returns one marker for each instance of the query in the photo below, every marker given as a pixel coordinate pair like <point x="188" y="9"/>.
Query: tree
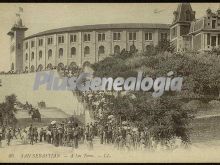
<point x="166" y="116"/>
<point x="8" y="110"/>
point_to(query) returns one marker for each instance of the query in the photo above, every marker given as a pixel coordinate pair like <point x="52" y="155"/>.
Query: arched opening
<point x="49" y="54"/>
<point x="101" y="50"/>
<point x="73" y="65"/>
<point x="32" y="56"/>
<point x="12" y="66"/>
<point x="60" y="66"/>
<point x="32" y="68"/>
<point x="40" y="68"/>
<point x="26" y="69"/>
<point x="49" y="66"/>
<point x="132" y="48"/>
<point x="40" y="55"/>
<point x="60" y="52"/>
<point x="86" y="63"/>
<point x="116" y="49"/>
<point x="86" y="50"/>
<point x="73" y="51"/>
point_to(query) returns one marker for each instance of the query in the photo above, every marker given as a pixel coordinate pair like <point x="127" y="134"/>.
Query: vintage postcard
<point x="109" y="82"/>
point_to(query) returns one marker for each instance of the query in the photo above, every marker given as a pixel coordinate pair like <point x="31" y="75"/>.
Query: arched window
<point x="49" y="54"/>
<point x="40" y="68"/>
<point x="32" y="56"/>
<point x="40" y="54"/>
<point x="73" y="51"/>
<point x="60" y="66"/>
<point x="49" y="66"/>
<point x="26" y="57"/>
<point x="32" y="68"/>
<point x="86" y="51"/>
<point x="60" y="52"/>
<point x="101" y="50"/>
<point x="188" y="17"/>
<point x="117" y="49"/>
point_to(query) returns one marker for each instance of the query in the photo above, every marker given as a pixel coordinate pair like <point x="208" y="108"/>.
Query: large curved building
<point x="91" y="43"/>
<point x="78" y="45"/>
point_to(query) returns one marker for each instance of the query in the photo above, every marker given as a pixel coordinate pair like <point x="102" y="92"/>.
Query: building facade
<point x="80" y="44"/>
<point x="189" y="33"/>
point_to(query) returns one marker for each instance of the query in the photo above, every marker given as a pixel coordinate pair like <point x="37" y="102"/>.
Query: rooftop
<point x="102" y="26"/>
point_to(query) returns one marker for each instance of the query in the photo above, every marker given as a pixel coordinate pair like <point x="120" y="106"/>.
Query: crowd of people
<point x="59" y="134"/>
<point x="129" y="137"/>
<point x="123" y="137"/>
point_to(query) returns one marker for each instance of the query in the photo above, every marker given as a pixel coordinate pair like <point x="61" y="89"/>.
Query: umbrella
<point x="53" y="122"/>
<point x="124" y="122"/>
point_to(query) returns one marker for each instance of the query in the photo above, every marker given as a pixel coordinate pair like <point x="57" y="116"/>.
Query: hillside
<point x="50" y="112"/>
<point x="22" y="86"/>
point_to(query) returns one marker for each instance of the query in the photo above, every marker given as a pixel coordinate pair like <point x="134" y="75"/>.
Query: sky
<point x="43" y="16"/>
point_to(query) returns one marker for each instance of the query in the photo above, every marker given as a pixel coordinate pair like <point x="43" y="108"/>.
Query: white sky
<point x="40" y="17"/>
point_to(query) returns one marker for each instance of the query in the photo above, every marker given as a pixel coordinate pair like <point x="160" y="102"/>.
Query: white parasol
<point x="53" y="122"/>
<point x="110" y="116"/>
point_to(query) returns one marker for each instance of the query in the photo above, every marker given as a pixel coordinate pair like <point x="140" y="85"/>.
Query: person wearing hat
<point x="60" y="136"/>
<point x="76" y="136"/>
<point x="9" y="136"/>
<point x="41" y="134"/>
<point x="1" y="138"/>
<point x="31" y="134"/>
<point x="128" y="140"/>
<point x="3" y="132"/>
<point x="89" y="140"/>
<point x="24" y="136"/>
<point x="14" y="133"/>
<point x="35" y="134"/>
<point x="48" y="135"/>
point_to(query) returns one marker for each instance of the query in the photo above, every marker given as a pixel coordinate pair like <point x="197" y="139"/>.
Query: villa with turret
<point x="189" y="33"/>
<point x="82" y="45"/>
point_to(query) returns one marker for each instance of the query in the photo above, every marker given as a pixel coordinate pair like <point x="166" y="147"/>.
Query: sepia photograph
<point x="109" y="82"/>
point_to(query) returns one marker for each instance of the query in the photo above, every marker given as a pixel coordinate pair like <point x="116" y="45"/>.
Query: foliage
<point x="168" y="116"/>
<point x="8" y="110"/>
